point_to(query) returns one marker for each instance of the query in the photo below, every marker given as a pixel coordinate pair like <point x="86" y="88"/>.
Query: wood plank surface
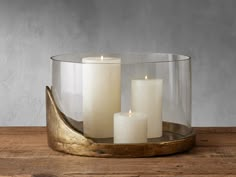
<point x="24" y="153"/>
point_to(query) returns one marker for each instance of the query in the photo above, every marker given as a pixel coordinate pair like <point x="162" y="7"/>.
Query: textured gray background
<point x="32" y="31"/>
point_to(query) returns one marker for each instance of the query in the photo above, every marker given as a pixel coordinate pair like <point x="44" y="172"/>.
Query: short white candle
<point x="130" y="128"/>
<point x="146" y="96"/>
<point x="101" y="95"/>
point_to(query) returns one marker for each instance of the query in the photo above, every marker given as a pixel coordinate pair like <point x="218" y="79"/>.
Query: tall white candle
<point x="130" y="128"/>
<point x="146" y="96"/>
<point x="101" y="95"/>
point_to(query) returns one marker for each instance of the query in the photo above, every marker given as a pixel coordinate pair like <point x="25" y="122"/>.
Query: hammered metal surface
<point x="62" y="136"/>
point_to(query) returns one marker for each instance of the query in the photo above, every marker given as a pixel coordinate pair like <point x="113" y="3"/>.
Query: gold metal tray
<point x="65" y="135"/>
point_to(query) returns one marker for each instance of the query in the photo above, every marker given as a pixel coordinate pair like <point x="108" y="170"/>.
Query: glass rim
<point x="155" y="57"/>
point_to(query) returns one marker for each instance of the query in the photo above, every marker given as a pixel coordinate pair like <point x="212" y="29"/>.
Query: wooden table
<point x="24" y="153"/>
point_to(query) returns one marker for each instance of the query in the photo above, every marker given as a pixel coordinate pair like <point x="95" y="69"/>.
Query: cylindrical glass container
<point x="90" y="88"/>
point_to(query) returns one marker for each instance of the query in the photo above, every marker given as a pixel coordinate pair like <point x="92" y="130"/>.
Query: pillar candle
<point x="101" y="95"/>
<point x="146" y="97"/>
<point x="130" y="128"/>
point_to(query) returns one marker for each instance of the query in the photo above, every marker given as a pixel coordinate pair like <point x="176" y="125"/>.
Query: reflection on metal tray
<point x="171" y="132"/>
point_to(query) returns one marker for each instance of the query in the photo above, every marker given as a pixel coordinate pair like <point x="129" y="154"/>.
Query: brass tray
<point x="65" y="135"/>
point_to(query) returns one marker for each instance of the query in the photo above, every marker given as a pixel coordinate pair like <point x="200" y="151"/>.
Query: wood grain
<point x="24" y="152"/>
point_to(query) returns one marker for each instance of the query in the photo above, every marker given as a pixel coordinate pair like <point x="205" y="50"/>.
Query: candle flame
<point x="146" y="77"/>
<point x="130" y="113"/>
<point x="102" y="58"/>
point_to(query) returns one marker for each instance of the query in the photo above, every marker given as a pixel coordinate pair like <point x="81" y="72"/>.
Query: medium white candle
<point x="130" y="128"/>
<point x="146" y="96"/>
<point x="101" y="95"/>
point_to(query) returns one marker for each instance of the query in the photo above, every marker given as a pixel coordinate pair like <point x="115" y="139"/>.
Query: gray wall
<point x="32" y="31"/>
